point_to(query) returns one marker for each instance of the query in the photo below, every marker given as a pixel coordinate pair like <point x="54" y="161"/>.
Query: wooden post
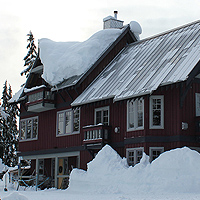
<point x="19" y="172"/>
<point x="37" y="173"/>
<point x="56" y="172"/>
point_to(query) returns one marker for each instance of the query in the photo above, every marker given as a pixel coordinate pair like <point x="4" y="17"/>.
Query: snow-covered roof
<point x="17" y="95"/>
<point x="145" y="65"/>
<point x="26" y="90"/>
<point x="62" y="60"/>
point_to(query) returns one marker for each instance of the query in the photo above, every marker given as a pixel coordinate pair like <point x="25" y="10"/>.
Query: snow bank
<point x="15" y="196"/>
<point x="62" y="60"/>
<point x="175" y="171"/>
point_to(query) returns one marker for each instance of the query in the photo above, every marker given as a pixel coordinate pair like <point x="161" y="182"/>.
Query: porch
<point x="52" y="170"/>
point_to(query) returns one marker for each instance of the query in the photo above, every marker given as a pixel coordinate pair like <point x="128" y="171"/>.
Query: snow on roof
<point x="145" y="65"/>
<point x="26" y="90"/>
<point x="62" y="60"/>
<point x="136" y="29"/>
<point x="16" y="96"/>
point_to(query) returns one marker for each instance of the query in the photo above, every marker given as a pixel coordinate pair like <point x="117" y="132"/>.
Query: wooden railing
<point x="94" y="134"/>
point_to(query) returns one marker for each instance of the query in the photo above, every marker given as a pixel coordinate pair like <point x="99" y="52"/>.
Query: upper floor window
<point x="102" y="115"/>
<point x="135" y="114"/>
<point x="134" y="155"/>
<point x="29" y="128"/>
<point x="157" y="112"/>
<point x="68" y="121"/>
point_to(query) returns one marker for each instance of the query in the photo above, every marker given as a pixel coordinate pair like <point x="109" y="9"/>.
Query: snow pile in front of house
<point x="62" y="60"/>
<point x="15" y="196"/>
<point x="175" y="171"/>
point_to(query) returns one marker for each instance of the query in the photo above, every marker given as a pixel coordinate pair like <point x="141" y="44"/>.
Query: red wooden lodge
<point x="138" y="96"/>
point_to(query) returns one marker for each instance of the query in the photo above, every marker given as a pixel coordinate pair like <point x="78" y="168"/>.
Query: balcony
<point x="96" y="136"/>
<point x="40" y="100"/>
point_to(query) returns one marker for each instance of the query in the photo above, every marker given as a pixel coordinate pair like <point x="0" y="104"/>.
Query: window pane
<point x="60" y="123"/>
<point x="131" y="158"/>
<point x="105" y="117"/>
<point x="35" y="127"/>
<point x="155" y="154"/>
<point x="139" y="155"/>
<point x="65" y="167"/>
<point x="23" y="130"/>
<point x="68" y="122"/>
<point x="98" y="117"/>
<point x="140" y="113"/>
<point x="156" y="117"/>
<point x="156" y="112"/>
<point x="76" y="120"/>
<point x="131" y="114"/>
<point x="29" y="127"/>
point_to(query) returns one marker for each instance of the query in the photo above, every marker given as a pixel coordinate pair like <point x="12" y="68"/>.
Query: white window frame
<point x="197" y="104"/>
<point x="102" y="109"/>
<point x="64" y="125"/>
<point x="135" y="154"/>
<point x="26" y="129"/>
<point x="161" y="126"/>
<point x="135" y="104"/>
<point x="151" y="149"/>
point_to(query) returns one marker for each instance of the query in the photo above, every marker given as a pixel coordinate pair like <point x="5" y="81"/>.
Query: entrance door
<point x="63" y="174"/>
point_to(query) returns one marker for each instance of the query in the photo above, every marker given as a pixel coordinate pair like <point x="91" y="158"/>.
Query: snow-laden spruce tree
<point x="31" y="55"/>
<point x="9" y="132"/>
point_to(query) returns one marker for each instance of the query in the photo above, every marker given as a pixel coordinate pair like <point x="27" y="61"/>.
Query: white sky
<point x="77" y="20"/>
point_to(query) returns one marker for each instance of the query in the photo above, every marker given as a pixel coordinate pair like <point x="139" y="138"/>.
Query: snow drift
<point x="175" y="171"/>
<point x="62" y="60"/>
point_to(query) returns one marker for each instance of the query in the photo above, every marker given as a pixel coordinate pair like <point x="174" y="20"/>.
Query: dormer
<point x="112" y="22"/>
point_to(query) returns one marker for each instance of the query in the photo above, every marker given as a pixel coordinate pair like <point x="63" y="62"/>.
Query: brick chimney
<point x="112" y="22"/>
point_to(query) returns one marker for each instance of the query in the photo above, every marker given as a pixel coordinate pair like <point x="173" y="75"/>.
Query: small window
<point x="102" y="115"/>
<point x="197" y="98"/>
<point x="134" y="155"/>
<point x="135" y="114"/>
<point x="157" y="112"/>
<point x="29" y="128"/>
<point x="155" y="152"/>
<point x="68" y="121"/>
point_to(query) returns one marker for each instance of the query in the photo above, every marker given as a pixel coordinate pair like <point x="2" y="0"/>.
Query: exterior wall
<point x="174" y="115"/>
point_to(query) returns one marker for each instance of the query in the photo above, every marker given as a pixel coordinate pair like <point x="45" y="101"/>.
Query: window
<point x="155" y="152"/>
<point x="29" y="128"/>
<point x="68" y="121"/>
<point x="197" y="97"/>
<point x="134" y="155"/>
<point x="135" y="114"/>
<point x="157" y="112"/>
<point x="102" y="115"/>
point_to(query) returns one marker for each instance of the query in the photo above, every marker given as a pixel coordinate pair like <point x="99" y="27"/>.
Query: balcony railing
<point x="40" y="100"/>
<point x="96" y="135"/>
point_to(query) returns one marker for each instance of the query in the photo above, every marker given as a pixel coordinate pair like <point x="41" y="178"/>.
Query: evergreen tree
<point x="31" y="55"/>
<point x="9" y="130"/>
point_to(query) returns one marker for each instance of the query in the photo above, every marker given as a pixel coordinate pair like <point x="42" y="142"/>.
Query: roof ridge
<point x="167" y="32"/>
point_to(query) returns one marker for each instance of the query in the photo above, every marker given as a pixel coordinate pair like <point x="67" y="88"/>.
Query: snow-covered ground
<point x="175" y="175"/>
